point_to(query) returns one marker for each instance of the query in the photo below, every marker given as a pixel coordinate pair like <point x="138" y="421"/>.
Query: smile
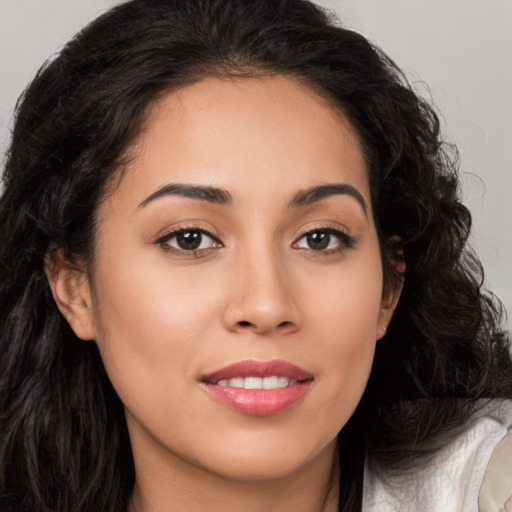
<point x="258" y="388"/>
<point x="273" y="382"/>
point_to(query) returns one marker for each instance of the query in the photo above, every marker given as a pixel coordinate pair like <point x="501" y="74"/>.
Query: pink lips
<point x="258" y="402"/>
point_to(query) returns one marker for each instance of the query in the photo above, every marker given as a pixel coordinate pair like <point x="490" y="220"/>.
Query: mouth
<point x="272" y="382"/>
<point x="258" y="388"/>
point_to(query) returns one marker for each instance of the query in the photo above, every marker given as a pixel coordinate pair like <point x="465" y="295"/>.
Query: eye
<point x="188" y="240"/>
<point x="325" y="239"/>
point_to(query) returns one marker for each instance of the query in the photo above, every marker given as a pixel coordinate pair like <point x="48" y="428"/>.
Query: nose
<point x="262" y="299"/>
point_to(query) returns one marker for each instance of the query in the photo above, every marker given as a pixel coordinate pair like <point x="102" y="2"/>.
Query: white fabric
<point x="451" y="481"/>
<point x="496" y="488"/>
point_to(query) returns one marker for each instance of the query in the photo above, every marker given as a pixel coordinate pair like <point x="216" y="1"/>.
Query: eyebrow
<point x="223" y="197"/>
<point x="203" y="192"/>
<point x="314" y="194"/>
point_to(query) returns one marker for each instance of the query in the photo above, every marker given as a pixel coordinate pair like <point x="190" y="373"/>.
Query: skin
<point x="163" y="317"/>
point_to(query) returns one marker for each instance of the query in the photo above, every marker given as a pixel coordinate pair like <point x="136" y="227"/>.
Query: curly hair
<point x="63" y="438"/>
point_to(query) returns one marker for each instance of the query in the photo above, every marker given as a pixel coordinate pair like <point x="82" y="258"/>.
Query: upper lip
<point x="252" y="368"/>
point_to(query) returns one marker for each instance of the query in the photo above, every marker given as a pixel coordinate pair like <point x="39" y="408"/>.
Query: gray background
<point x="461" y="48"/>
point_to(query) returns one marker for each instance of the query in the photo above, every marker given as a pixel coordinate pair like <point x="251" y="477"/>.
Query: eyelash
<point x="164" y="240"/>
<point x="346" y="241"/>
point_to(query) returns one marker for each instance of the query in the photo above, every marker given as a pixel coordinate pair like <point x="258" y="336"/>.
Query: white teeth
<point x="236" y="382"/>
<point x="272" y="382"/>
<point x="282" y="382"/>
<point x="253" y="383"/>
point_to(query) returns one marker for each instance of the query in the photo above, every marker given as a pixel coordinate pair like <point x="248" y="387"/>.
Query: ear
<point x="391" y="293"/>
<point x="72" y="292"/>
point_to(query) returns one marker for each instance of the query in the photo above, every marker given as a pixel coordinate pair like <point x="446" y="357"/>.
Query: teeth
<point x="253" y="383"/>
<point x="282" y="382"/>
<point x="236" y="382"/>
<point x="272" y="382"/>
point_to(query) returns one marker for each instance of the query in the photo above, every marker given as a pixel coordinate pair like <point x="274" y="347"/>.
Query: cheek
<point x="152" y="325"/>
<point x="346" y="317"/>
<point x="348" y="349"/>
<point x="343" y="383"/>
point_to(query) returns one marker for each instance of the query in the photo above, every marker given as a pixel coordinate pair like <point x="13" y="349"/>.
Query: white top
<point x="451" y="482"/>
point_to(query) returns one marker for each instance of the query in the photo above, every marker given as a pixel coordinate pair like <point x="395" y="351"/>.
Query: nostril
<point x="245" y="324"/>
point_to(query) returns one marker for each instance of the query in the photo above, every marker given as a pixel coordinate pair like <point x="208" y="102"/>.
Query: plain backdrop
<point x="458" y="52"/>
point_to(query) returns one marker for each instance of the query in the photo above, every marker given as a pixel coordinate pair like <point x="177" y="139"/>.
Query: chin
<point x="257" y="462"/>
<point x="249" y="470"/>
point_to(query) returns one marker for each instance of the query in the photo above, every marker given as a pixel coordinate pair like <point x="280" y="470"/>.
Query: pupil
<point x="189" y="240"/>
<point x="318" y="240"/>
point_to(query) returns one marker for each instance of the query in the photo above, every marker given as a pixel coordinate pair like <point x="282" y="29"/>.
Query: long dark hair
<point x="63" y="438"/>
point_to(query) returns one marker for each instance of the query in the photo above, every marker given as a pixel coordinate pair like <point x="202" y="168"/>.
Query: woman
<point x="212" y="212"/>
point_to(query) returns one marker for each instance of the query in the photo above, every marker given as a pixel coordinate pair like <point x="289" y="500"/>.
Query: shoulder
<point x="496" y="487"/>
<point x="452" y="480"/>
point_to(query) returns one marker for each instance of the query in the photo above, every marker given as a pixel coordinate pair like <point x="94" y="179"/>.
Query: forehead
<point x="272" y="135"/>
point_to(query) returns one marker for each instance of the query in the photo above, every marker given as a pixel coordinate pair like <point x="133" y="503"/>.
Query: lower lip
<point x="258" y="402"/>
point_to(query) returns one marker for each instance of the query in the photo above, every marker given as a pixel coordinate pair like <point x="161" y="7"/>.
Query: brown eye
<point x="188" y="240"/>
<point x="318" y="240"/>
<point x="325" y="240"/>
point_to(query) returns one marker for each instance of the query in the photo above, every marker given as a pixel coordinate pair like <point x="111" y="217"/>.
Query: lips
<point x="258" y="388"/>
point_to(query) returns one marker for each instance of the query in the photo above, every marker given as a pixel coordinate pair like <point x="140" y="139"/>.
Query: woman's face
<point x="238" y="251"/>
